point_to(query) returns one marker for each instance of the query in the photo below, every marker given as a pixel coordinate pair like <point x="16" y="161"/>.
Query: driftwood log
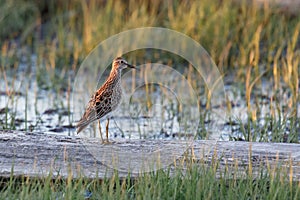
<point x="38" y="154"/>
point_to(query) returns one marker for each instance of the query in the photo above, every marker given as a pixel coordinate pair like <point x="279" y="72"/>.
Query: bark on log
<point x="38" y="154"/>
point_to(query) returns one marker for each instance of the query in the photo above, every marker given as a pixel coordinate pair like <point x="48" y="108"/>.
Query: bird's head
<point x="120" y="63"/>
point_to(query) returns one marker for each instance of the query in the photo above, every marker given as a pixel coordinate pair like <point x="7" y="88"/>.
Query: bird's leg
<point x="100" y="131"/>
<point x="107" y="130"/>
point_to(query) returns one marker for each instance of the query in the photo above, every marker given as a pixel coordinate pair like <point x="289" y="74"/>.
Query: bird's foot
<point x="106" y="142"/>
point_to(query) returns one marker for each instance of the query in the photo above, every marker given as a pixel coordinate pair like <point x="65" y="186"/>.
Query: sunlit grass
<point x="250" y="42"/>
<point x="186" y="181"/>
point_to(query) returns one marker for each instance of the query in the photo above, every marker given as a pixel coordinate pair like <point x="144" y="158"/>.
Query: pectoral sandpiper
<point x="106" y="99"/>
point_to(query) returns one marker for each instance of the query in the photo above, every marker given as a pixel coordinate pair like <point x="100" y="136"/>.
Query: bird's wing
<point x="98" y="106"/>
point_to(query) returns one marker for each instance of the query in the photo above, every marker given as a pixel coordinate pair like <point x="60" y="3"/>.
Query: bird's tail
<point x="81" y="125"/>
<point x="88" y="117"/>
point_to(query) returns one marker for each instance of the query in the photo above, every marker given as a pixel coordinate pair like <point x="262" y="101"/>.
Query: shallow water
<point x="31" y="108"/>
<point x="146" y="113"/>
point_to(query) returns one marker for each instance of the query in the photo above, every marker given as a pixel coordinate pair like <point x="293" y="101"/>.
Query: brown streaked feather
<point x="106" y="98"/>
<point x="99" y="105"/>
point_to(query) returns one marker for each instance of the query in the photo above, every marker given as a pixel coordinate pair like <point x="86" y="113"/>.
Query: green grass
<point x="229" y="31"/>
<point x="250" y="45"/>
<point x="200" y="182"/>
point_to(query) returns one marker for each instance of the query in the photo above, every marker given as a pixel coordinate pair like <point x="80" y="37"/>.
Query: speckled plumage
<point x="107" y="98"/>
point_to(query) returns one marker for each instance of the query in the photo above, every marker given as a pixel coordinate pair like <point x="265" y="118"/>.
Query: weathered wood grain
<point x="37" y="154"/>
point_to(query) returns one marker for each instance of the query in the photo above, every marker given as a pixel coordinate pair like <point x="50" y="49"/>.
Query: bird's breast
<point x="116" y="96"/>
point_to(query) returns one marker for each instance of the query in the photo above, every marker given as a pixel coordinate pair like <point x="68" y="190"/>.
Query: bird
<point x="106" y="99"/>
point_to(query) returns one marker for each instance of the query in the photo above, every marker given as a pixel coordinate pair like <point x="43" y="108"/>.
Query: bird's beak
<point x="131" y="66"/>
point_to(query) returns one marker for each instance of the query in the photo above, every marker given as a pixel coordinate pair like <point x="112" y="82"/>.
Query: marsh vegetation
<point x="255" y="47"/>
